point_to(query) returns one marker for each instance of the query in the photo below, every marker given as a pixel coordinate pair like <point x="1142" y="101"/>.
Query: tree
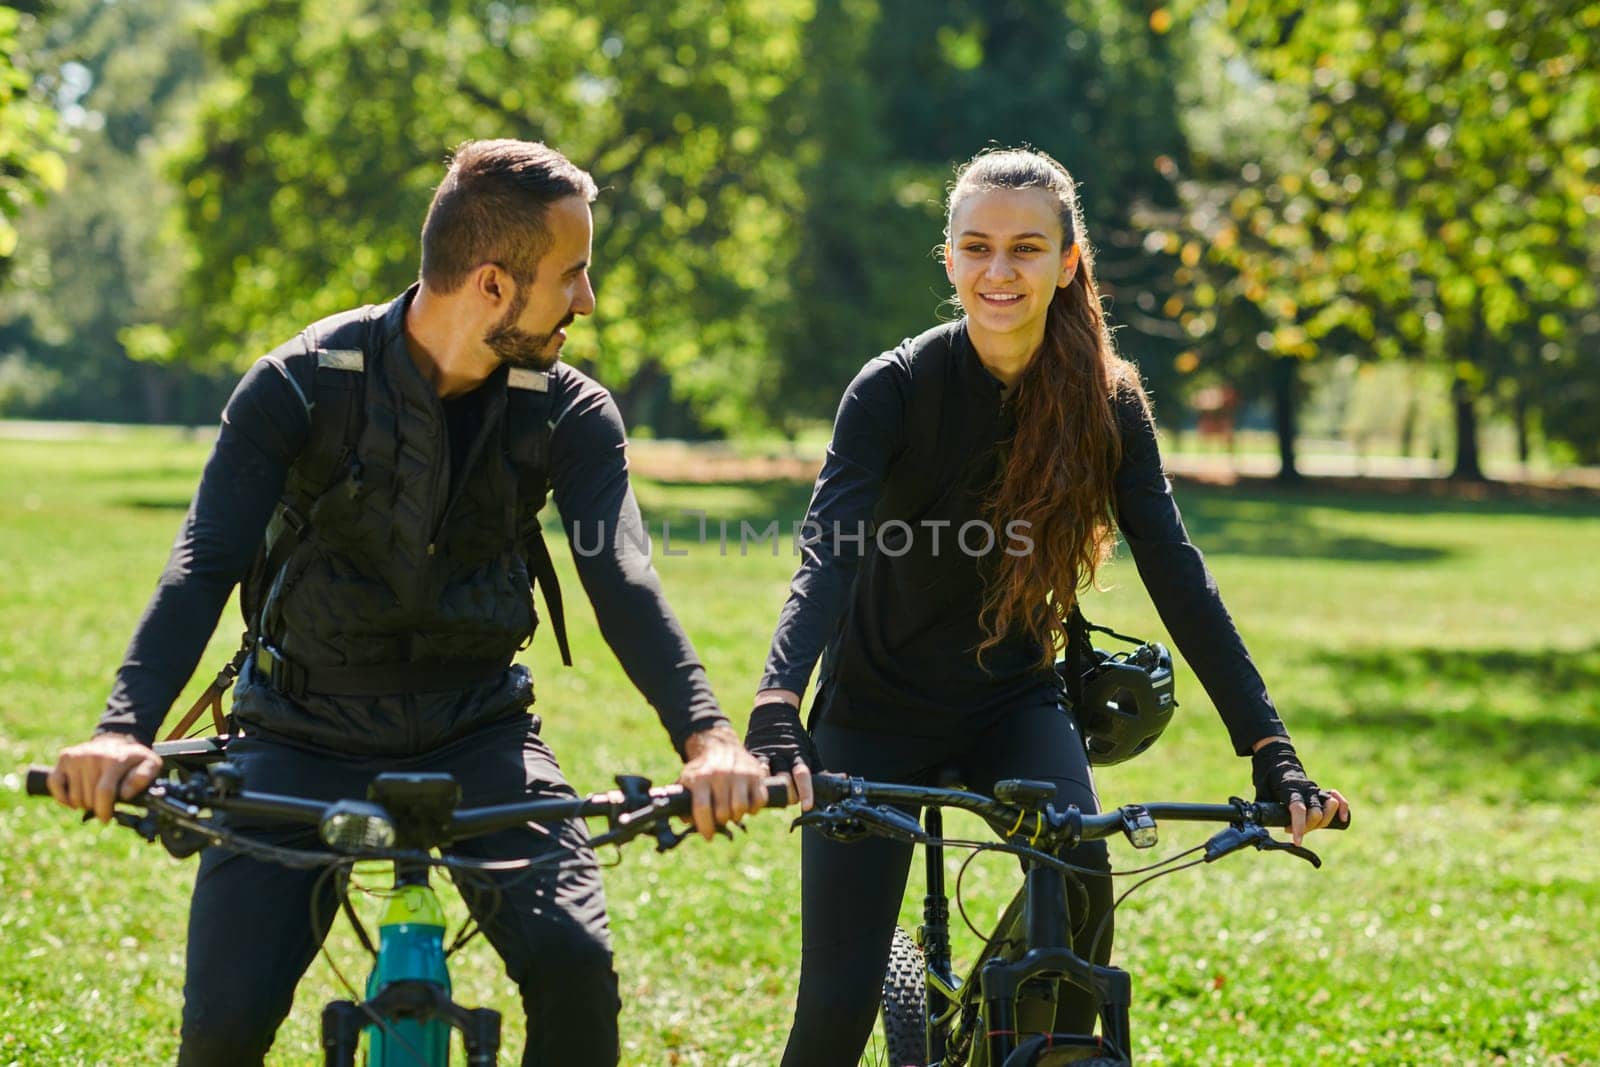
<point x="315" y="155"/>
<point x="897" y="91"/>
<point x="1446" y="183"/>
<point x="30" y="138"/>
<point x="99" y="256"/>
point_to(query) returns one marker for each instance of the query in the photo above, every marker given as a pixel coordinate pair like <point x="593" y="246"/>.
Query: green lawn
<point x="1438" y="662"/>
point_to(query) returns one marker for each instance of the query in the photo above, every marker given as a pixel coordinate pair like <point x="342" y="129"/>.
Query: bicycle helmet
<point x="1126" y="703"/>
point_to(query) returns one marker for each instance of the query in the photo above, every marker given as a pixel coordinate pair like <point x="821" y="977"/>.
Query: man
<point x="386" y="630"/>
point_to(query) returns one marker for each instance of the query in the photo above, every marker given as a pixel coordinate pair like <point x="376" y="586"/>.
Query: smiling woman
<point x="1018" y="417"/>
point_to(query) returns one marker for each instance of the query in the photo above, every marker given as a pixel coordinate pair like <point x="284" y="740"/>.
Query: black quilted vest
<point x="394" y="580"/>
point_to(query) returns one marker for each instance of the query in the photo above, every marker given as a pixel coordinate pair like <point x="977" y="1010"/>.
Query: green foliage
<point x="1456" y="708"/>
<point x="101" y="255"/>
<point x="926" y="86"/>
<point x="1435" y="193"/>
<point x="315" y="155"/>
<point x="773" y="173"/>
<point x="30" y="138"/>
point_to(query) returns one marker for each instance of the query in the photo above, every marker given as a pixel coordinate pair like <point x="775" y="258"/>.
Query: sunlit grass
<point x="1439" y="663"/>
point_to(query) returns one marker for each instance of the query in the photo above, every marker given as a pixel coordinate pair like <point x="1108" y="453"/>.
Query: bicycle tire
<point x="905" y="1035"/>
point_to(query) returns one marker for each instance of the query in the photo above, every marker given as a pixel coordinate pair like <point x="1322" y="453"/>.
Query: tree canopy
<point x="1267" y="184"/>
<point x="1437" y="198"/>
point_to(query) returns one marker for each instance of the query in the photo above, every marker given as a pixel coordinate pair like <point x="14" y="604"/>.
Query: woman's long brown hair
<point x="1061" y="463"/>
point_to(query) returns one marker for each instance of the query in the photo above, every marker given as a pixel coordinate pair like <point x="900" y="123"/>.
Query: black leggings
<point x="251" y="934"/>
<point x="851" y="893"/>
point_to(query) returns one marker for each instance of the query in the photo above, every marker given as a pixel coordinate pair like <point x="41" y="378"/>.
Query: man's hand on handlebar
<point x="94" y="775"/>
<point x="725" y="780"/>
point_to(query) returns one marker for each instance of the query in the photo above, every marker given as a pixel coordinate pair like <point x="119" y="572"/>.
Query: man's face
<point x="531" y="332"/>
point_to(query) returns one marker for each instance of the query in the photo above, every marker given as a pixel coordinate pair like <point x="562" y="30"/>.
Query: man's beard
<point x="520" y="348"/>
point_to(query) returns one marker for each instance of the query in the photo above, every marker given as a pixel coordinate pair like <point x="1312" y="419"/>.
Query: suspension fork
<point x="934" y="939"/>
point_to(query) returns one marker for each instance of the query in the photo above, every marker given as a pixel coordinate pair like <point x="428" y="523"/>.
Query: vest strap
<point x="543" y="570"/>
<point x="376" y="679"/>
<point x="211" y="699"/>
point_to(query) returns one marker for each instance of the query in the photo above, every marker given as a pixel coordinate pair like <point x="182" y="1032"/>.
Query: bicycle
<point x="407" y="1013"/>
<point x="935" y="1018"/>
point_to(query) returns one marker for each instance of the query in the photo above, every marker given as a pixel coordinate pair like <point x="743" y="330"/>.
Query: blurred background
<point x="1351" y="244"/>
<point x="1349" y="238"/>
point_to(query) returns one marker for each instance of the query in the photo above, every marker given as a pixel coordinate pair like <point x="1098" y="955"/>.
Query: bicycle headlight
<point x="357" y="826"/>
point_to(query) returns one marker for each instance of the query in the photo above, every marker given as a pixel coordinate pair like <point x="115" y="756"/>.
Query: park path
<point x="714" y="461"/>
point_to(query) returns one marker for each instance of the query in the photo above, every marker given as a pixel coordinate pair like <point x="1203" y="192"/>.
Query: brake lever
<point x="848" y="821"/>
<point x="1254" y="835"/>
<point x="1292" y="849"/>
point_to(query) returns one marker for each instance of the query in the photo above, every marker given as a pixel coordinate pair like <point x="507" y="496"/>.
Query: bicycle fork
<point x="1048" y="926"/>
<point x="934" y="940"/>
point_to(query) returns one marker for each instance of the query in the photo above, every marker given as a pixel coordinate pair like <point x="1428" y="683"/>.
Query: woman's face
<point x="1006" y="261"/>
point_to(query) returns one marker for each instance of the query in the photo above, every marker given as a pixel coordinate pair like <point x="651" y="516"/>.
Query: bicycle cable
<point x="1100" y="930"/>
<point x="976" y="847"/>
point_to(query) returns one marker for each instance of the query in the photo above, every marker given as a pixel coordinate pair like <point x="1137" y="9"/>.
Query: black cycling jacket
<point x="264" y="427"/>
<point x="892" y="607"/>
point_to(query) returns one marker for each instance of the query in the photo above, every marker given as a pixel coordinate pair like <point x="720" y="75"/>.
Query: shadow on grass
<point x="174" y="503"/>
<point x="1501" y="723"/>
<point x="1290" y="535"/>
<point x="758" y="501"/>
<point x="1341" y="497"/>
<point x="1273" y="525"/>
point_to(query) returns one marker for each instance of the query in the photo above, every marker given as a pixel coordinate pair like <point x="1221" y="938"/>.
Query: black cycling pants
<point x="255" y="926"/>
<point x="851" y="893"/>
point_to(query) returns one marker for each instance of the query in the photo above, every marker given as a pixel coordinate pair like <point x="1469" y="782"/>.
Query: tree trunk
<point x="1467" y="468"/>
<point x="156" y="384"/>
<point x="1285" y="410"/>
<point x="1519" y="413"/>
<point x="638" y="399"/>
<point x="1408" y="425"/>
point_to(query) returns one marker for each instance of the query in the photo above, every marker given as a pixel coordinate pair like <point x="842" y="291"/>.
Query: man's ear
<point x="492" y="283"/>
<point x="1069" y="265"/>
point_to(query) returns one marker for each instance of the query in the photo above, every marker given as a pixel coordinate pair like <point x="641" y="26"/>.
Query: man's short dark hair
<point x="491" y="207"/>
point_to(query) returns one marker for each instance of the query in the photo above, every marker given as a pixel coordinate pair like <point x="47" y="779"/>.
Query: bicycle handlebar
<point x="1043" y="823"/>
<point x="629" y="814"/>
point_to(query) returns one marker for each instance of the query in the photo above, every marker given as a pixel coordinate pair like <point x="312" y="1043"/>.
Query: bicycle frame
<point x="1042" y="911"/>
<point x="409" y="990"/>
<point x="1039" y="918"/>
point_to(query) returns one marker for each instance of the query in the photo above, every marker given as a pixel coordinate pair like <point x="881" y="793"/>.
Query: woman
<point x="967" y="496"/>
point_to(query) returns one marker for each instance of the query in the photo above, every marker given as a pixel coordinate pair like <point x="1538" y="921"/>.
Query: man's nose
<point x="583" y="302"/>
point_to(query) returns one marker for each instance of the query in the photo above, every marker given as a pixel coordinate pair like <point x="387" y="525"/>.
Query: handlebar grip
<point x="680" y="800"/>
<point x="1277" y="815"/>
<point x="777" y="791"/>
<point x="38" y="781"/>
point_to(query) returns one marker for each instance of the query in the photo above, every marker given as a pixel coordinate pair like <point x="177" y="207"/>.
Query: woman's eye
<point x="976" y="250"/>
<point x="1026" y="248"/>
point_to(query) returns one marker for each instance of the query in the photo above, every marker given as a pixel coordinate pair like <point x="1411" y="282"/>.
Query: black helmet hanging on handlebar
<point x="1122" y="701"/>
<point x="1127" y="702"/>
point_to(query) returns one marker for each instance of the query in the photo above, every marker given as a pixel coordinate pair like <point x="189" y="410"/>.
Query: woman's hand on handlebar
<point x="1280" y="777"/>
<point x="779" y="739"/>
<point x="94" y="775"/>
<point x="1334" y="810"/>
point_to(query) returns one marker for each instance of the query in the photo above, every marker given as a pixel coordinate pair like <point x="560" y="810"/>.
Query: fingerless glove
<point x="777" y="735"/>
<point x="1279" y="776"/>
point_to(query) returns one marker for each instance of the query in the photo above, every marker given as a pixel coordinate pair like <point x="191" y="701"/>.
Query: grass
<point x="1438" y="662"/>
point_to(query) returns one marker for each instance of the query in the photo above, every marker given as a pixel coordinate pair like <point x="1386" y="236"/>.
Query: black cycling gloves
<point x="1279" y="776"/>
<point x="777" y="735"/>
